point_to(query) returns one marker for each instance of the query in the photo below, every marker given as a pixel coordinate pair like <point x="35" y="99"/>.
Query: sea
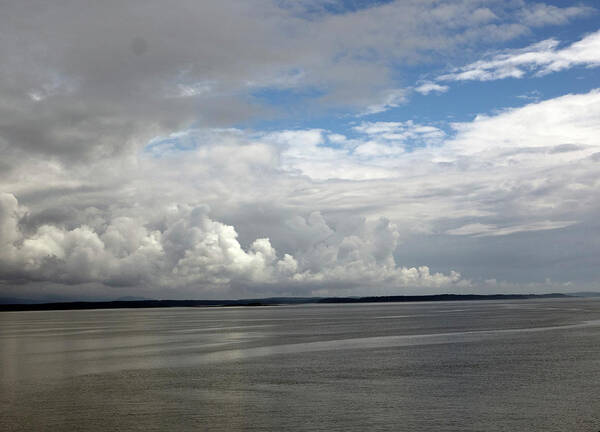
<point x="521" y="365"/>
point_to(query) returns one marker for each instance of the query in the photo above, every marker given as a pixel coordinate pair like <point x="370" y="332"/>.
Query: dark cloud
<point x="96" y="79"/>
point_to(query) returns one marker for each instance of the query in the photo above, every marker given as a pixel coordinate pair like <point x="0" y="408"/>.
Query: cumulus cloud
<point x="541" y="58"/>
<point x="192" y="250"/>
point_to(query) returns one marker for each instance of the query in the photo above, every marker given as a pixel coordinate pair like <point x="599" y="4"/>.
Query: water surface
<point x="531" y="365"/>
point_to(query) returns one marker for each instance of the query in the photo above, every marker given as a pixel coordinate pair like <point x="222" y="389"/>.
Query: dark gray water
<point x="459" y="366"/>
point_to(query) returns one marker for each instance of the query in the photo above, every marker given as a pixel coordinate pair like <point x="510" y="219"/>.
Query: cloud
<point x="192" y="250"/>
<point x="569" y="119"/>
<point x="122" y="167"/>
<point x="430" y="87"/>
<point x="374" y="154"/>
<point x="391" y="99"/>
<point x="539" y="14"/>
<point x="229" y="212"/>
<point x="99" y="81"/>
<point x="483" y="230"/>
<point x="541" y="58"/>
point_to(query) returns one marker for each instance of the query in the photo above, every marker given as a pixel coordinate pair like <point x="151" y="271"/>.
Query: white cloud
<point x="569" y="119"/>
<point x="192" y="250"/>
<point x="374" y="155"/>
<point x="541" y="58"/>
<point x="484" y="230"/>
<point x="431" y="87"/>
<point x="401" y="131"/>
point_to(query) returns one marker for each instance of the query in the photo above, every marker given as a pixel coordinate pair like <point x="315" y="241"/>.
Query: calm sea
<point x="457" y="366"/>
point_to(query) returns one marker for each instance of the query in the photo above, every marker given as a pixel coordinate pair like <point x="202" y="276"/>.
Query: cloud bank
<point x="192" y="250"/>
<point x="291" y="220"/>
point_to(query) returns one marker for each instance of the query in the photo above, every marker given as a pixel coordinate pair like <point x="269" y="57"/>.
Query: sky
<point x="243" y="149"/>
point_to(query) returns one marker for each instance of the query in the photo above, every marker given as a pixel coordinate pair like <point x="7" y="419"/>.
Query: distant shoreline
<point x="272" y="301"/>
